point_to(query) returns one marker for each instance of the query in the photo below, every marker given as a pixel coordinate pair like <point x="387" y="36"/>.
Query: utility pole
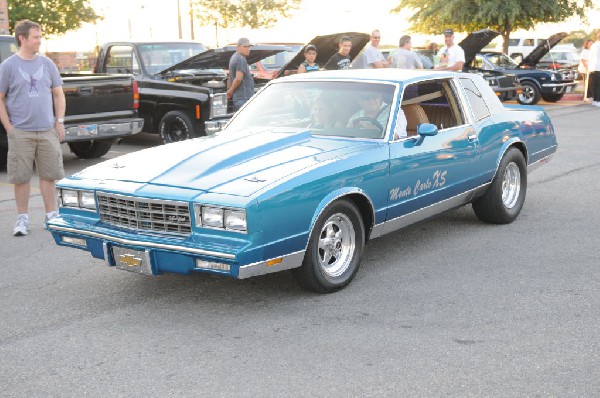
<point x="4" y="26"/>
<point x="179" y="19"/>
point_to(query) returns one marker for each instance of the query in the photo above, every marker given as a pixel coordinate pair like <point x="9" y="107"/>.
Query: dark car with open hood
<point x="550" y="85"/>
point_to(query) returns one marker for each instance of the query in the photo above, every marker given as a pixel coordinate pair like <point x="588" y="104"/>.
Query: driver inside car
<point x="373" y="114"/>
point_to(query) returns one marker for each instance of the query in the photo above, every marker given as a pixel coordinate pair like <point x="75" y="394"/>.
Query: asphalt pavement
<point x="451" y="307"/>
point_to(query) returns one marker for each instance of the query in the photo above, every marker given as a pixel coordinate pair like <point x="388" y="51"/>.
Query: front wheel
<point x="504" y="198"/>
<point x="334" y="250"/>
<point x="530" y="95"/>
<point x="552" y="97"/>
<point x="176" y="126"/>
<point x="90" y="149"/>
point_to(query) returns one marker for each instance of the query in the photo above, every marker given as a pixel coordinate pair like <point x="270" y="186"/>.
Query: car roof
<point x="391" y="75"/>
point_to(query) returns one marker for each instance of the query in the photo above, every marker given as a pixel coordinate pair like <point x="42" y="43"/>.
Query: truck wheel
<point x="334" y="249"/>
<point x="530" y="95"/>
<point x="176" y="126"/>
<point x="90" y="149"/>
<point x="552" y="97"/>
<point x="504" y="198"/>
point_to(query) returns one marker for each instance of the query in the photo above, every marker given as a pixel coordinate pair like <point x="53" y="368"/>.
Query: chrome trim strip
<point x="292" y="260"/>
<point x="424" y="213"/>
<point x="536" y="165"/>
<point x="143" y="244"/>
<point x="559" y="84"/>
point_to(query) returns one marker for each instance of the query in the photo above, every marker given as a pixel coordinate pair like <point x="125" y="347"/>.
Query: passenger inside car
<point x="324" y="114"/>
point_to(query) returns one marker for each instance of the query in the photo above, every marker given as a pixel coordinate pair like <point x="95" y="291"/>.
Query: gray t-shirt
<point x="405" y="59"/>
<point x="246" y="88"/>
<point x="28" y="87"/>
<point x="369" y="56"/>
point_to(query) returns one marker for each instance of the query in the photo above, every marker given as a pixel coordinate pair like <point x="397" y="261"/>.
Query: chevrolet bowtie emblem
<point x="130" y="260"/>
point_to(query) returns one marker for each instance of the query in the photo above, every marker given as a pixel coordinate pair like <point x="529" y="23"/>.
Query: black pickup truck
<point x="182" y="85"/>
<point x="100" y="109"/>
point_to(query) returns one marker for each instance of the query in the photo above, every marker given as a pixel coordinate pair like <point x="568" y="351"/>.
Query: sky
<point x="158" y="20"/>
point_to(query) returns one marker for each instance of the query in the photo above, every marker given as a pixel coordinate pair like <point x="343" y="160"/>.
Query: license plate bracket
<point x="132" y="260"/>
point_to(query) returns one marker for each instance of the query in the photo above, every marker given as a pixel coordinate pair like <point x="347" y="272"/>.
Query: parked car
<point x="520" y="47"/>
<point x="100" y="109"/>
<point x="505" y="84"/>
<point x="182" y="86"/>
<point x="537" y="83"/>
<point x="561" y="56"/>
<point x="268" y="67"/>
<point x="274" y="191"/>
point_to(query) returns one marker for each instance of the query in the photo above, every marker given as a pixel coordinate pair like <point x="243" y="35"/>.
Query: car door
<point x="432" y="170"/>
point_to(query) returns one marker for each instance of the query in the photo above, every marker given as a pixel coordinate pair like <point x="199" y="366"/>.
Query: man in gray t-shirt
<point x="404" y="58"/>
<point x="240" y="84"/>
<point x="371" y="57"/>
<point x="32" y="111"/>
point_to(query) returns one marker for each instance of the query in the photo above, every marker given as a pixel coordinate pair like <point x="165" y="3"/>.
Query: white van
<point x="521" y="47"/>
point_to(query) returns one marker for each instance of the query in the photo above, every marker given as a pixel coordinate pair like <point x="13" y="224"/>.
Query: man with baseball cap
<point x="452" y="56"/>
<point x="240" y="84"/>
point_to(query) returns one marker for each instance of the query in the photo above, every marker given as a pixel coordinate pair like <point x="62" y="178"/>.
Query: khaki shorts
<point x="26" y="146"/>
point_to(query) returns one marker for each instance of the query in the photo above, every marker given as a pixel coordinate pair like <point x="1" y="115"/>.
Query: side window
<point x="528" y="42"/>
<point x="478" y="105"/>
<point x="121" y="59"/>
<point x="433" y="101"/>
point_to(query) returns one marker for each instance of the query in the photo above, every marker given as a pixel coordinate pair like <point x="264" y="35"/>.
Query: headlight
<point x="87" y="200"/>
<point x="78" y="199"/>
<point x="212" y="217"/>
<point x="70" y="198"/>
<point x="219" y="105"/>
<point x="221" y="218"/>
<point x="235" y="220"/>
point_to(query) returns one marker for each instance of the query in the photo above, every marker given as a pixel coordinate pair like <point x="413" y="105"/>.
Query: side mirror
<point x="425" y="130"/>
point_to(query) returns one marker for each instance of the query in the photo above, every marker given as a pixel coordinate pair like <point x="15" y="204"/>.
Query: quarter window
<point x="478" y="105"/>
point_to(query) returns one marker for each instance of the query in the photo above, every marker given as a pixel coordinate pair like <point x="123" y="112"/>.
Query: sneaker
<point x="51" y="215"/>
<point x="596" y="103"/>
<point x="21" y="226"/>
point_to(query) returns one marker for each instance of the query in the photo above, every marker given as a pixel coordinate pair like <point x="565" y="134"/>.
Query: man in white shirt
<point x="371" y="58"/>
<point x="594" y="69"/>
<point x="452" y="56"/>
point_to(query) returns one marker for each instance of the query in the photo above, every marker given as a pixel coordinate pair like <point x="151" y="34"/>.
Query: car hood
<point x="218" y="58"/>
<point x="327" y="46"/>
<point x="226" y="163"/>
<point x="542" y="49"/>
<point x="475" y="42"/>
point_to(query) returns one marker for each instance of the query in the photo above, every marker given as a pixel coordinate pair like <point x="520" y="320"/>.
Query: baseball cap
<point x="244" y="42"/>
<point x="310" y="47"/>
<point x="448" y="32"/>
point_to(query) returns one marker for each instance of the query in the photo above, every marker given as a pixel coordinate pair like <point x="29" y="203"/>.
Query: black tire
<point x="90" y="149"/>
<point x="503" y="200"/>
<point x="552" y="97"/>
<point x="531" y="94"/>
<point x="176" y="126"/>
<point x="334" y="250"/>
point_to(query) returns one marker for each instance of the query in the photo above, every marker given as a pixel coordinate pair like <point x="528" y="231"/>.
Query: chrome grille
<point x="145" y="214"/>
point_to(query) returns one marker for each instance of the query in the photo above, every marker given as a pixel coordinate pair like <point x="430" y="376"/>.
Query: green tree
<point x="432" y="16"/>
<point x="55" y="16"/>
<point x="239" y="13"/>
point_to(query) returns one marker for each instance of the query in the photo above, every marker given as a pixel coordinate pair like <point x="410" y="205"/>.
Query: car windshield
<point x="277" y="61"/>
<point x="501" y="60"/>
<point x="160" y="56"/>
<point x="343" y="109"/>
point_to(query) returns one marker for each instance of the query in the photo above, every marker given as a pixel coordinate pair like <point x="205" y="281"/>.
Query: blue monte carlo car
<point x="305" y="174"/>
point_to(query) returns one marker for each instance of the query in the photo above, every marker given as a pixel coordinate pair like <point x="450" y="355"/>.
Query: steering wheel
<point x="366" y="119"/>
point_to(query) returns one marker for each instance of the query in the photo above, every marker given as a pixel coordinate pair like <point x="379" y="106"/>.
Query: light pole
<point x="179" y="19"/>
<point x="192" y="19"/>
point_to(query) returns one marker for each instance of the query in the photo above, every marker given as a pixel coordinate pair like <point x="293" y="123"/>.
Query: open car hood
<point x="327" y="46"/>
<point x="475" y="42"/>
<point x="542" y="49"/>
<point x="218" y="58"/>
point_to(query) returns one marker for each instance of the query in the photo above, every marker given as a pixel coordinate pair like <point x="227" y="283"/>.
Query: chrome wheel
<point x="511" y="185"/>
<point x="336" y="245"/>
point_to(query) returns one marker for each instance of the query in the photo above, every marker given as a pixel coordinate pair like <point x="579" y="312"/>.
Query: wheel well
<point x="366" y="211"/>
<point x="530" y="80"/>
<point x="521" y="147"/>
<point x="164" y="109"/>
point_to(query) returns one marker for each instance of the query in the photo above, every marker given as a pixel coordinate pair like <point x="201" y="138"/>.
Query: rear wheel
<point x="334" y="250"/>
<point x="552" y="97"/>
<point x="90" y="149"/>
<point x="530" y="94"/>
<point x="503" y="201"/>
<point x="176" y="126"/>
